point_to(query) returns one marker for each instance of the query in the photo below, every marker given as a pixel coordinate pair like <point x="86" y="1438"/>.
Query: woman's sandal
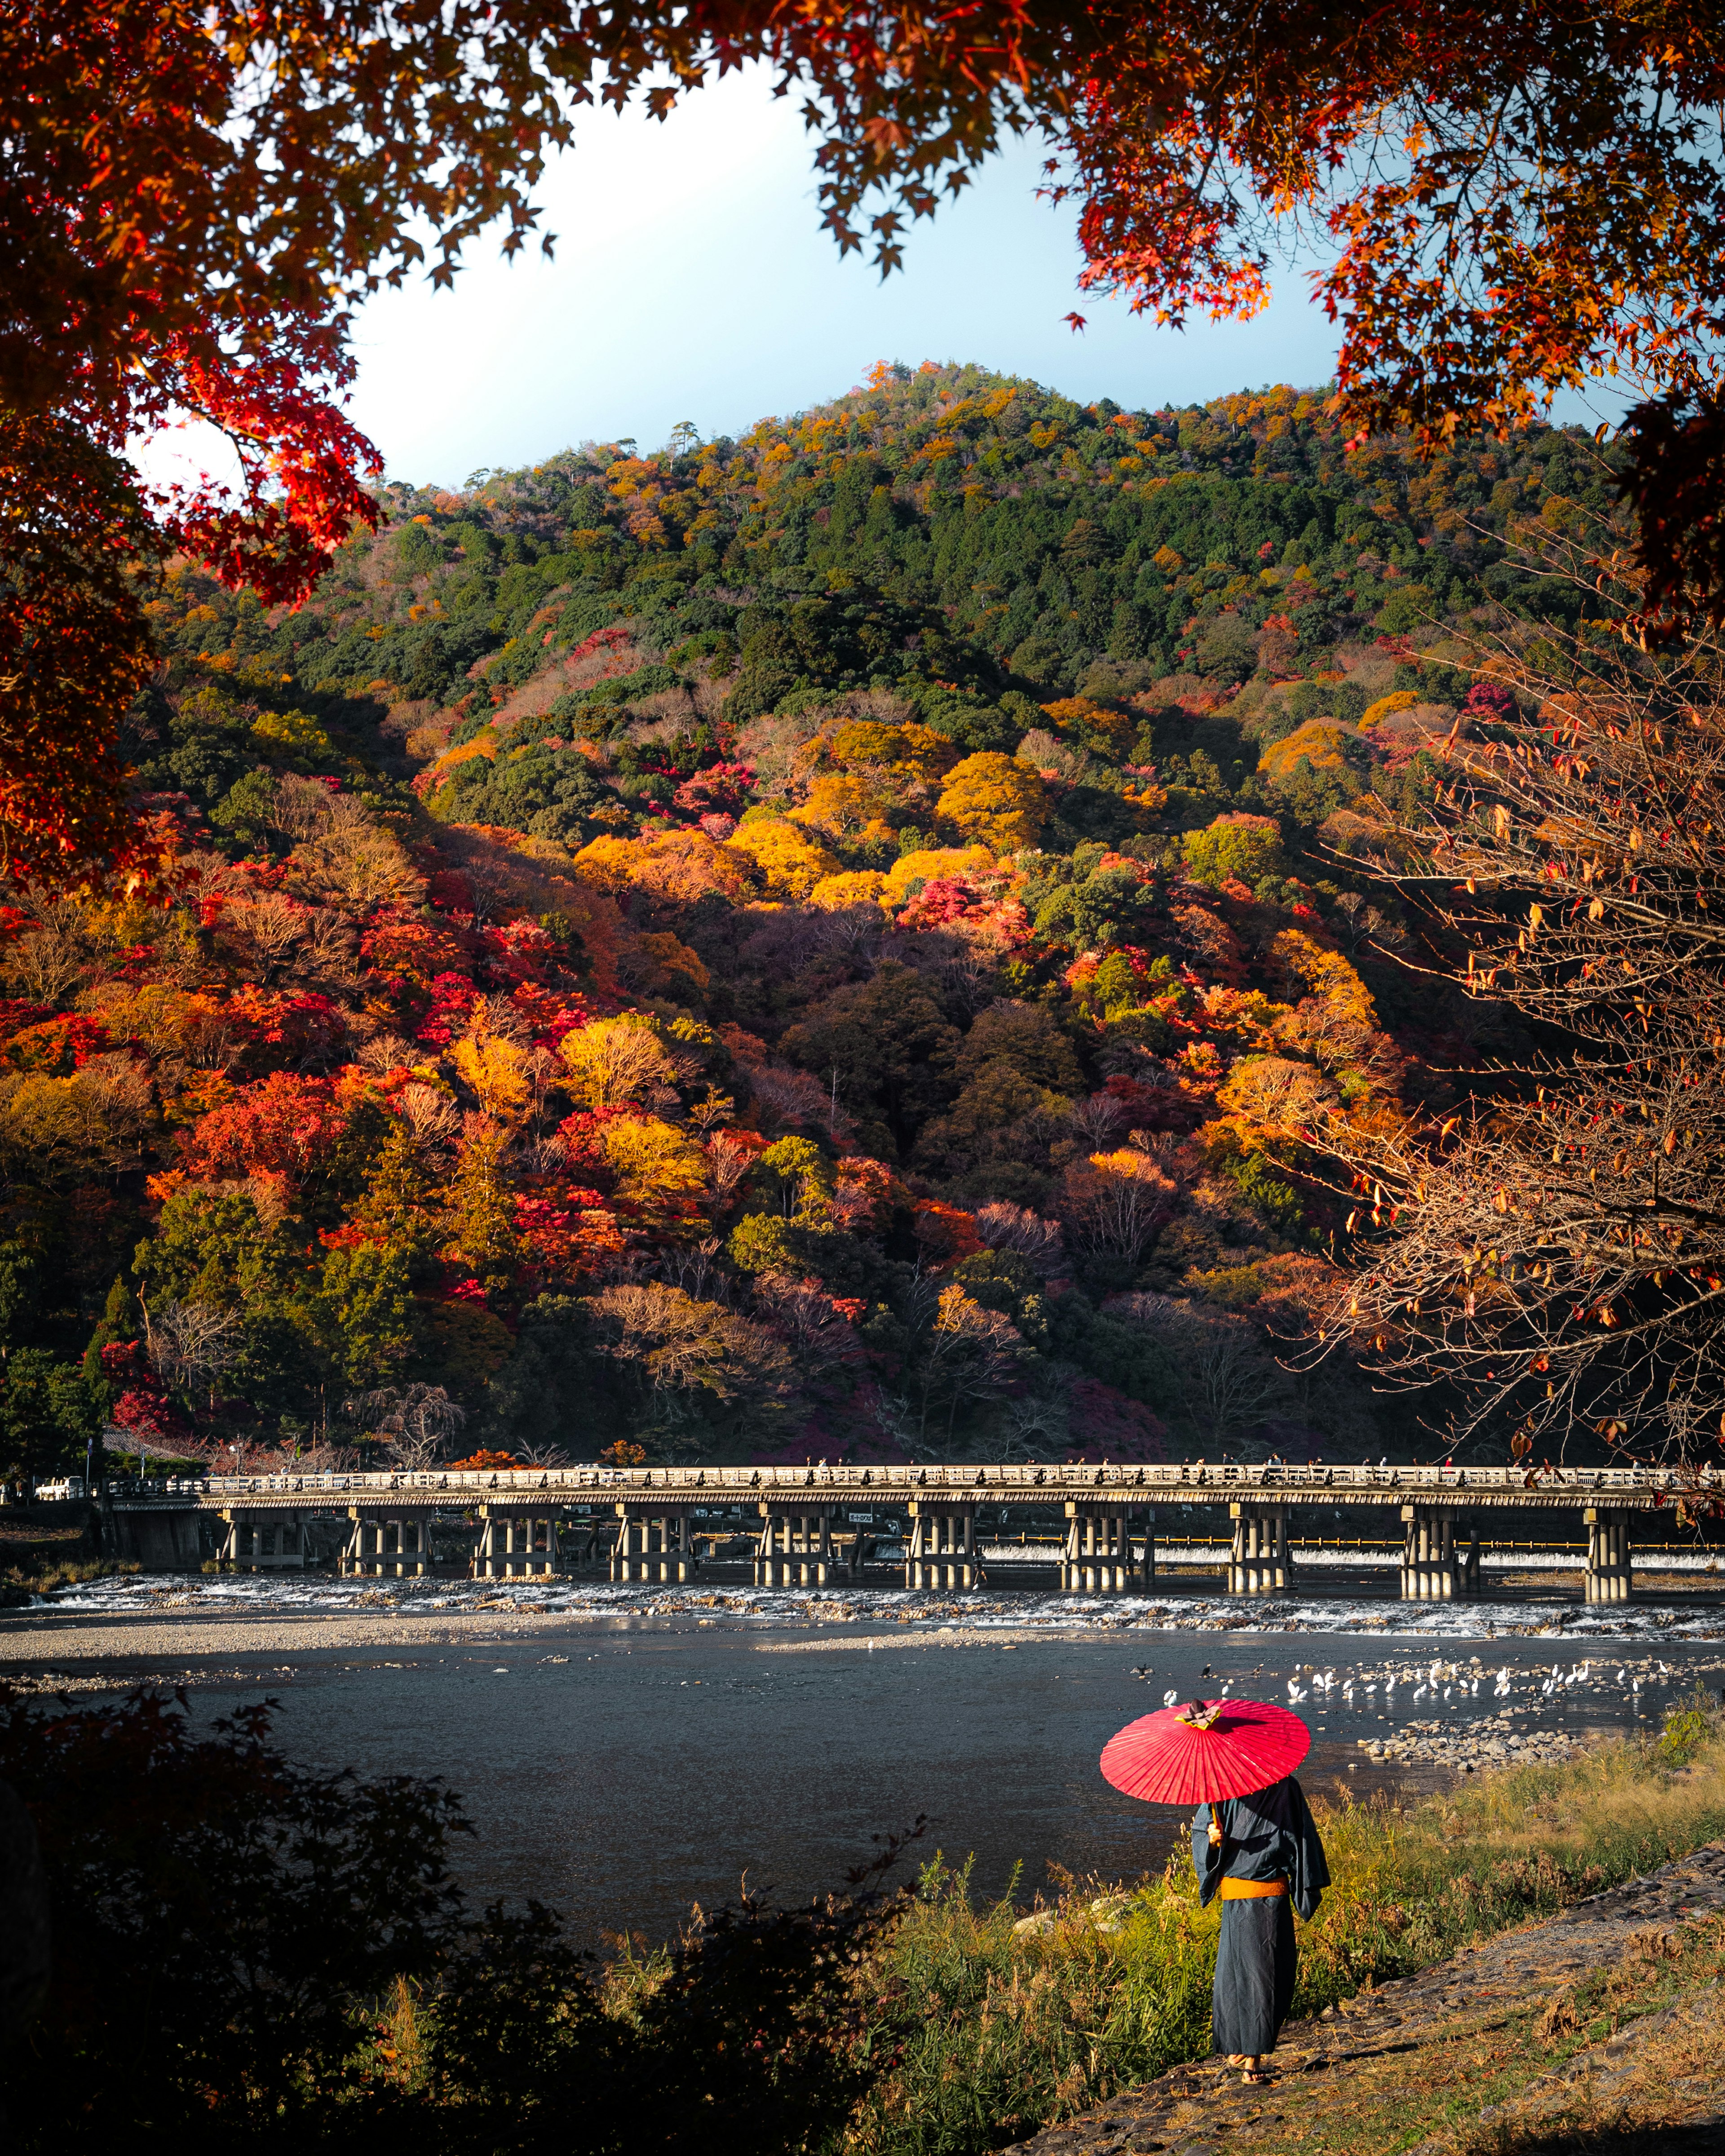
<point x="1256" y="2077"/>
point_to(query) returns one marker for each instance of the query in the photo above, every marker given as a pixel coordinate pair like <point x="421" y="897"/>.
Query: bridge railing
<point x="971" y="1483"/>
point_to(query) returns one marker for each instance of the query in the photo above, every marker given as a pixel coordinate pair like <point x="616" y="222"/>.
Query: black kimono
<point x="1267" y="1835"/>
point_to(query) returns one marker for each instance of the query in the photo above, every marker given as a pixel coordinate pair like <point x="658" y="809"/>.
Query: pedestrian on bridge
<point x="1253" y="1844"/>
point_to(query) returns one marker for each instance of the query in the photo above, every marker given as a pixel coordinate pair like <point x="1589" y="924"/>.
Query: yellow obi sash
<point x="1252" y="1890"/>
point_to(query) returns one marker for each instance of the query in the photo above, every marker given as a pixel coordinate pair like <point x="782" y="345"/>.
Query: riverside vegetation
<point x="246" y="1952"/>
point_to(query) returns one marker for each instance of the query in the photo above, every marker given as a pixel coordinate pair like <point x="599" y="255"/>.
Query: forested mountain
<point x="816" y="945"/>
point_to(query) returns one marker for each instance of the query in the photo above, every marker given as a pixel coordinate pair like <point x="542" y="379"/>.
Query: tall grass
<point x="40" y="1572"/>
<point x="988" y="2034"/>
<point x="996" y="2034"/>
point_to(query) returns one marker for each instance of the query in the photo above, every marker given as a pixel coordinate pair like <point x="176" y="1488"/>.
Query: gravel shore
<point x="54" y="1642"/>
<point x="1493" y="1741"/>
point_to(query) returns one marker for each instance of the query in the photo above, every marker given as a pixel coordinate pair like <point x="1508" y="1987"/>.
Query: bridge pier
<point x="1608" y="1577"/>
<point x="263" y="1542"/>
<point x="1260" y="1563"/>
<point x="156" y="1541"/>
<point x="851" y="1552"/>
<point x="514" y="1545"/>
<point x="1436" y="1567"/>
<point x="653" y="1546"/>
<point x="943" y="1550"/>
<point x="384" y="1548"/>
<point x="796" y="1548"/>
<point x="1098" y="1556"/>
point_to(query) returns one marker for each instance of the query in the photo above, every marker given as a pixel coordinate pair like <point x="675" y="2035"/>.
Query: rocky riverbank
<point x="1493" y="1741"/>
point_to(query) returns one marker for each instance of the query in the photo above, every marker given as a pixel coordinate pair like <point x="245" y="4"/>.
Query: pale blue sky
<point x="692" y="280"/>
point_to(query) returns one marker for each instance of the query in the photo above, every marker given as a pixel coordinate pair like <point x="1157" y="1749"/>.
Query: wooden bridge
<point x="811" y="1524"/>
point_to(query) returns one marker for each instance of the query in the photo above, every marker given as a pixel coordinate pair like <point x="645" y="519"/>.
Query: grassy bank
<point x="991" y="2033"/>
<point x="42" y="1572"/>
<point x="42" y="1548"/>
<point x="1615" y="2061"/>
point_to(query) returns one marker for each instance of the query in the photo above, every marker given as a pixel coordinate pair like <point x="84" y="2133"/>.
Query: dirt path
<point x="1604" y="2025"/>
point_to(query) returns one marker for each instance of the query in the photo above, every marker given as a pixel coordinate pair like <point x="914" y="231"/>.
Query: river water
<point x="621" y="1765"/>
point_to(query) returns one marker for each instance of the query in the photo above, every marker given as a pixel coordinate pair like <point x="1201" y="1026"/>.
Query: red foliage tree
<point x="142" y="1406"/>
<point x="285" y="1126"/>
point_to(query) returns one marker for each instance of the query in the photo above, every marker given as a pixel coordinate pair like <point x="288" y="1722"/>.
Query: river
<point x="621" y="1766"/>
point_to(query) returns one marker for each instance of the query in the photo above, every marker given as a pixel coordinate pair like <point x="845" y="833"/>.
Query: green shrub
<point x="1241" y="847"/>
<point x="1687" y="1729"/>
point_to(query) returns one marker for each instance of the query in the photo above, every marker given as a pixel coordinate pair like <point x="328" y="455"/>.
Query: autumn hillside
<point x="817" y="945"/>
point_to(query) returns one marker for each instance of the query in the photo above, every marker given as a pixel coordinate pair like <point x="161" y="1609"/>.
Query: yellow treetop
<point x="1325" y="973"/>
<point x="609" y="863"/>
<point x="1126" y="1164"/>
<point x="297" y="730"/>
<point x="615" y="1059"/>
<point x="682" y="866"/>
<point x="791" y="862"/>
<point x="997" y="801"/>
<point x="1275" y="1095"/>
<point x="856" y="887"/>
<point x="649" y="1157"/>
<point x="1386" y="707"/>
<point x="1093" y="726"/>
<point x="846" y="801"/>
<point x="669" y="969"/>
<point x="493" y="1068"/>
<point x="920" y="750"/>
<point x="1320" y="741"/>
<point x="929" y="862"/>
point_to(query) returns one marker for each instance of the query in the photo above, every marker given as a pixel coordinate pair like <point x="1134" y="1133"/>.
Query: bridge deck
<point x="1473" y="1489"/>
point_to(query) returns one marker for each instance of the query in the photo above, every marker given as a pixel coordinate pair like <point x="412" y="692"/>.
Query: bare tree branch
<point x="1558" y="1249"/>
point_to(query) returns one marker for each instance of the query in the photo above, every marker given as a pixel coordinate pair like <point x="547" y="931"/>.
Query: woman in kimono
<point x="1260" y="1853"/>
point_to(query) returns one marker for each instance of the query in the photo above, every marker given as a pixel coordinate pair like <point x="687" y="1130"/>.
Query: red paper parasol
<point x="1205" y="1750"/>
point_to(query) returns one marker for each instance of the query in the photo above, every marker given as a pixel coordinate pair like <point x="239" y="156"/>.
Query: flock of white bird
<point x="1448" y="1680"/>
